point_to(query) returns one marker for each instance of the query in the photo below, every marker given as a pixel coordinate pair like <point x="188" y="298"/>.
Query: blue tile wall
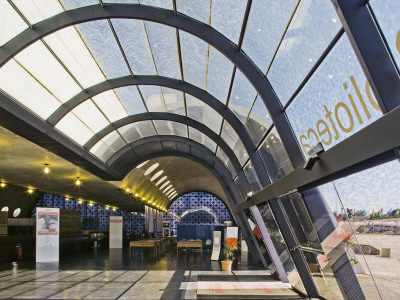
<point x="201" y="209"/>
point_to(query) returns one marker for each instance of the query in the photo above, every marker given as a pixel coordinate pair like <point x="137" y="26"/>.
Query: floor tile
<point x="152" y="276"/>
<point x="107" y="276"/>
<point x="45" y="291"/>
<point x="111" y="290"/>
<point x="33" y="276"/>
<point x="130" y="276"/>
<point x="81" y="276"/>
<point x="20" y="288"/>
<point x="145" y="291"/>
<point x="57" y="276"/>
<point x="78" y="291"/>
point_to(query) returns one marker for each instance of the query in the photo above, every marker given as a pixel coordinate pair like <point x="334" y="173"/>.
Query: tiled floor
<point x="112" y="275"/>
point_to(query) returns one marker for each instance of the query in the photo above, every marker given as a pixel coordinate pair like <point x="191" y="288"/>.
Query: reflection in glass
<point x="258" y="121"/>
<point x="252" y="177"/>
<point x="274" y="157"/>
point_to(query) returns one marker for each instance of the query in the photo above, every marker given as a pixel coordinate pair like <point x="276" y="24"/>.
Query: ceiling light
<point x="170" y="193"/>
<point x="167" y="188"/>
<point x="66" y="199"/>
<point x="30" y="191"/>
<point x="107" y="207"/>
<point x="136" y="195"/>
<point x="127" y="190"/>
<point x="114" y="209"/>
<point x="143" y="198"/>
<point x="142" y="164"/>
<point x="2" y="184"/>
<point x="164" y="185"/>
<point x="151" y="169"/>
<point x="77" y="182"/>
<point x="90" y="204"/>
<point x="46" y="169"/>
<point x="80" y="201"/>
<point x="155" y="176"/>
<point x="161" y="180"/>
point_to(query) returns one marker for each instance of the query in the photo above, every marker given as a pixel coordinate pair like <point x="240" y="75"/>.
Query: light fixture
<point x="142" y="164"/>
<point x="2" y="184"/>
<point x="90" y="204"/>
<point x="46" y="169"/>
<point x="144" y="199"/>
<point x="127" y="190"/>
<point x="161" y="180"/>
<point x="66" y="199"/>
<point x="164" y="185"/>
<point x="155" y="176"/>
<point x="151" y="169"/>
<point x="167" y="188"/>
<point x="107" y="208"/>
<point x="30" y="191"/>
<point x="114" y="209"/>
<point x="77" y="182"/>
<point x="136" y="195"/>
<point x="80" y="201"/>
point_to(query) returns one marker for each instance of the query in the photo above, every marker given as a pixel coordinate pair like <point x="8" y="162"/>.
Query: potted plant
<point x="229" y="253"/>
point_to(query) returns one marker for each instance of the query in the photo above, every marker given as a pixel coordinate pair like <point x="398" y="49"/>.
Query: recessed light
<point x="142" y="164"/>
<point x="164" y="185"/>
<point x="151" y="169"/>
<point x="161" y="180"/>
<point x="155" y="176"/>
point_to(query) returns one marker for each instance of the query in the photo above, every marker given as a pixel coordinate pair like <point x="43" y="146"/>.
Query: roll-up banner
<point x="47" y="234"/>
<point x="115" y="232"/>
<point x="216" y="245"/>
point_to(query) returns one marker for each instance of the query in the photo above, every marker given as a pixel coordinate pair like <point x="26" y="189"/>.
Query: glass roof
<point x="53" y="70"/>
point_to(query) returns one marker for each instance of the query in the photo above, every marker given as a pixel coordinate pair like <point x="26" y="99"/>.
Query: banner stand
<point x="47" y="234"/>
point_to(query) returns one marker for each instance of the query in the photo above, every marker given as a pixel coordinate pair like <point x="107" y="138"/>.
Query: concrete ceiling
<point x="184" y="175"/>
<point x="22" y="163"/>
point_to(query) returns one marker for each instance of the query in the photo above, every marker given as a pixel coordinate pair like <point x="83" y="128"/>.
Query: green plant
<point x="230" y="253"/>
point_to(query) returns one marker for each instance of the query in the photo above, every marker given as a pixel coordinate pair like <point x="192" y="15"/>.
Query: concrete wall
<point x="17" y="197"/>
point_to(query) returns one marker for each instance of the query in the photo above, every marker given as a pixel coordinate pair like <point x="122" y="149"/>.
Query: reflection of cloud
<point x="203" y="208"/>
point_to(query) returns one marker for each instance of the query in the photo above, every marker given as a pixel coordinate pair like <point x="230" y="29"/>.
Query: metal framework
<point x="179" y="21"/>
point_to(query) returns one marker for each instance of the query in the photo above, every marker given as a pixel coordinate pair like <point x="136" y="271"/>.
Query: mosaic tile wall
<point x="95" y="217"/>
<point x="197" y="208"/>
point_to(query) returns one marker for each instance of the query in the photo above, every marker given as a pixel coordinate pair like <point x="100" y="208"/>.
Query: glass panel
<point x="265" y="27"/>
<point x="252" y="177"/>
<point x="225" y="160"/>
<point x="42" y="65"/>
<point x="15" y="81"/>
<point x="72" y="51"/>
<point x="71" y="4"/>
<point x="335" y="103"/>
<point x="165" y="49"/>
<point x="312" y="28"/>
<point x="241" y="189"/>
<point x="114" y="141"/>
<point x="153" y="98"/>
<point x="387" y="14"/>
<point x="170" y="128"/>
<point x="368" y="200"/>
<point x="174" y="101"/>
<point x="233" y="141"/>
<point x="135" y="131"/>
<point x="11" y="23"/>
<point x="167" y="4"/>
<point x="199" y="10"/>
<point x="258" y="121"/>
<point x="110" y="105"/>
<point x="274" y="156"/>
<point x="88" y="113"/>
<point x="36" y="11"/>
<point x="280" y="246"/>
<point x="71" y="126"/>
<point x="201" y="138"/>
<point x="242" y="97"/>
<point x="102" y="151"/>
<point x="121" y="1"/>
<point x="131" y="99"/>
<point x="219" y="75"/>
<point x="101" y="42"/>
<point x="135" y="44"/>
<point x="203" y="113"/>
<point x="194" y="59"/>
<point x="227" y="17"/>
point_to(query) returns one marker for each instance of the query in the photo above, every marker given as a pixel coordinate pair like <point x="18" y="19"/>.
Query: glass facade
<point x="235" y="67"/>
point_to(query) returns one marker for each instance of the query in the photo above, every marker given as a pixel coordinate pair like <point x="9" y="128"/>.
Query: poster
<point x="115" y="232"/>
<point x="216" y="245"/>
<point x="47" y="234"/>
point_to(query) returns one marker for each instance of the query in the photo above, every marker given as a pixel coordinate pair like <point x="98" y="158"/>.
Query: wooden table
<point x="189" y="244"/>
<point x="143" y="243"/>
<point x="158" y="244"/>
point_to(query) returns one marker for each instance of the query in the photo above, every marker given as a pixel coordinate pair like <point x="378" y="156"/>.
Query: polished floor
<point x="111" y="274"/>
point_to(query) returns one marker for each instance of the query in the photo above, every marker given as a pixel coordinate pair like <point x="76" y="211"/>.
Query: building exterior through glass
<point x="146" y="101"/>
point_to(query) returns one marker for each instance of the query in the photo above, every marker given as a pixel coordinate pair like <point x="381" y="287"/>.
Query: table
<point x="158" y="244"/>
<point x="143" y="243"/>
<point x="189" y="244"/>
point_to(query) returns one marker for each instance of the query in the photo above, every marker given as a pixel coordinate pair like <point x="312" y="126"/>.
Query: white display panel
<point x="47" y="234"/>
<point x="216" y="245"/>
<point x="115" y="232"/>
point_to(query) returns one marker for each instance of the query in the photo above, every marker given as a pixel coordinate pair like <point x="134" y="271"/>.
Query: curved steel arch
<point x="167" y="117"/>
<point x="118" y="157"/>
<point x="179" y="21"/>
<point x="176" y="84"/>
